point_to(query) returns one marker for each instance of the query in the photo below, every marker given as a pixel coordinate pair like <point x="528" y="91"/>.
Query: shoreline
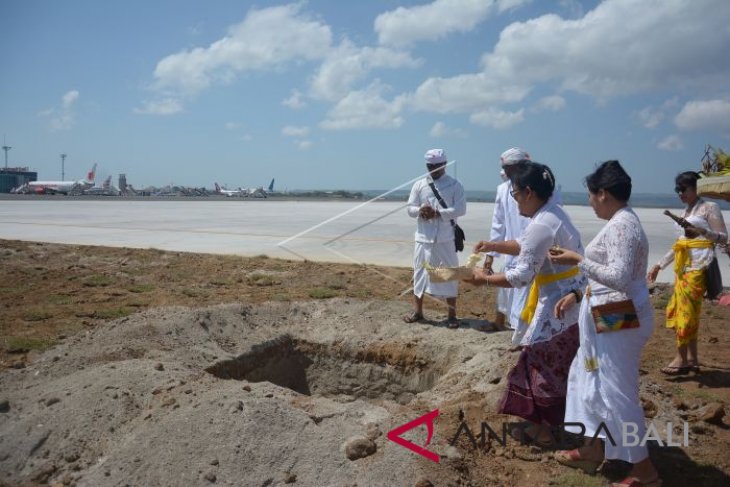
<point x="303" y="198"/>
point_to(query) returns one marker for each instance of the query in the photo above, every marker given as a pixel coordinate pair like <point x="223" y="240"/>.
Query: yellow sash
<point x="681" y="252"/>
<point x="528" y="312"/>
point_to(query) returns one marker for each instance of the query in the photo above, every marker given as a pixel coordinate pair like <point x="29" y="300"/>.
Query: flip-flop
<point x="672" y="370"/>
<point x="572" y="458"/>
<point x="453" y="323"/>
<point x="635" y="482"/>
<point x="412" y="317"/>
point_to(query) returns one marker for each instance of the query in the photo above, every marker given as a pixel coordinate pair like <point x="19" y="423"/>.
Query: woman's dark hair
<point x="687" y="179"/>
<point x="611" y="177"/>
<point x="538" y="177"/>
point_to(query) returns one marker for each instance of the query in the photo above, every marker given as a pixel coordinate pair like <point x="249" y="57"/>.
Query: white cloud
<point x="266" y="39"/>
<point x="705" y="115"/>
<point x="553" y="103"/>
<point x="304" y="144"/>
<point x="164" y="106"/>
<point x="348" y="64"/>
<point x="497" y="119"/>
<point x="671" y="143"/>
<point x="295" y="101"/>
<point x="440" y="129"/>
<point x="620" y="47"/>
<point x="404" y="26"/>
<point x="233" y="125"/>
<point x="70" y="98"/>
<point x="365" y="109"/>
<point x="650" y="117"/>
<point x="64" y="117"/>
<point x="464" y="93"/>
<point x="503" y="5"/>
<point x="292" y="131"/>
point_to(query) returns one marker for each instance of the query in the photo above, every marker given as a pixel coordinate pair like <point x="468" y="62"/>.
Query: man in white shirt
<point x="507" y="224"/>
<point x="435" y="233"/>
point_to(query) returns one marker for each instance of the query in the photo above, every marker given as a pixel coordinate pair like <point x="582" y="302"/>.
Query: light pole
<point x="6" y="148"/>
<point x="63" y="160"/>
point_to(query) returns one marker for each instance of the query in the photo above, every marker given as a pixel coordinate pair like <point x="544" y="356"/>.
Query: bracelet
<point x="578" y="295"/>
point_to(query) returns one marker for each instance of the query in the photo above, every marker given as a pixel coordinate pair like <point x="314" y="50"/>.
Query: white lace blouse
<point x="549" y="226"/>
<point x="707" y="215"/>
<point x="617" y="257"/>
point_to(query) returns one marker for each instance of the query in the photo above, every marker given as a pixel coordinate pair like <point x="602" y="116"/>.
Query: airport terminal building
<point x="14" y="177"/>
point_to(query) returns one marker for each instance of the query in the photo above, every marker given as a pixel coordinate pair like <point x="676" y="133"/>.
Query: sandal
<point x="635" y="482"/>
<point x="453" y="323"/>
<point x="572" y="458"/>
<point x="673" y="370"/>
<point x="694" y="367"/>
<point x="412" y="317"/>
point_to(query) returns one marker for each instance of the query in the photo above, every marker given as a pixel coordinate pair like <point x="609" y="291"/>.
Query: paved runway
<point x="337" y="231"/>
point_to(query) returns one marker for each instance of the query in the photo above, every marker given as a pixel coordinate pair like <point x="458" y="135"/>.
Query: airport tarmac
<point x="338" y="231"/>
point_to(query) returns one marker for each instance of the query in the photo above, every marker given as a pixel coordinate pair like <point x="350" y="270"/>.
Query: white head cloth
<point x="435" y="156"/>
<point x="513" y="156"/>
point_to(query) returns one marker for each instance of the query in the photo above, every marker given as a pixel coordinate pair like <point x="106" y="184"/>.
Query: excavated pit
<point x="328" y="370"/>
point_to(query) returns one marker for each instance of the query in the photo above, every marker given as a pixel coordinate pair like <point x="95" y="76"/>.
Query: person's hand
<point x="653" y="272"/>
<point x="483" y="246"/>
<point x="426" y="212"/>
<point x="479" y="277"/>
<point x="564" y="256"/>
<point x="694" y="232"/>
<point x="488" y="261"/>
<point x="564" y="304"/>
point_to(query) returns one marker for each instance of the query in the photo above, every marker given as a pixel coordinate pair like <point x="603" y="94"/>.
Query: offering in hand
<point x="445" y="274"/>
<point x="555" y="250"/>
<point x="473" y="260"/>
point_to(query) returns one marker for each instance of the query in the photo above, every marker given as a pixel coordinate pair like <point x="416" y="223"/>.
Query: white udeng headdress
<point x="513" y="156"/>
<point x="435" y="156"/>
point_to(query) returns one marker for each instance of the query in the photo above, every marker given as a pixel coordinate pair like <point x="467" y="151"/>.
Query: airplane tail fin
<point x="271" y="186"/>
<point x="217" y="188"/>
<point x="92" y="175"/>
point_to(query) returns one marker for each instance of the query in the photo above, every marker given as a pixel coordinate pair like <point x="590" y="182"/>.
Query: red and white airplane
<point x="63" y="187"/>
<point x="229" y="192"/>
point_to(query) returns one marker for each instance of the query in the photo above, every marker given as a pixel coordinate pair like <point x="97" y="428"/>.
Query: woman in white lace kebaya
<point x="692" y="253"/>
<point x="537" y="383"/>
<point x="616" y="320"/>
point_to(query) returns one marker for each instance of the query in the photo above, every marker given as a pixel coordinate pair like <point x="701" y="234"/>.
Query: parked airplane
<point x="62" y="187"/>
<point x="106" y="189"/>
<point x="229" y="192"/>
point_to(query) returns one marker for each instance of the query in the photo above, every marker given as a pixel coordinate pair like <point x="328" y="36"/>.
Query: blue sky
<point x="349" y="95"/>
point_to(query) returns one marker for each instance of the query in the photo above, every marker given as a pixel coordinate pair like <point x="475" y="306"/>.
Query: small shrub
<point x="26" y="344"/>
<point x="322" y="293"/>
<point x="98" y="281"/>
<point x="141" y="288"/>
<point x="263" y="280"/>
<point x="37" y="316"/>
<point x="113" y="313"/>
<point x="59" y="299"/>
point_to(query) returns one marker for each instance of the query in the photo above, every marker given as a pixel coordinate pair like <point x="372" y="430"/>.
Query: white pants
<point x="437" y="255"/>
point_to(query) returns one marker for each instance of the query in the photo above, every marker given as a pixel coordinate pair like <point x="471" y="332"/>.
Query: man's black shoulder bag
<point x="459" y="235"/>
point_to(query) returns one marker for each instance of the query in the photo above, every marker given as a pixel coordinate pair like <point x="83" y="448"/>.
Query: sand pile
<point x="241" y="395"/>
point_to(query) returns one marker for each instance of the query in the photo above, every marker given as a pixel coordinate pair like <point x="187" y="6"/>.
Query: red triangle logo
<point x="394" y="435"/>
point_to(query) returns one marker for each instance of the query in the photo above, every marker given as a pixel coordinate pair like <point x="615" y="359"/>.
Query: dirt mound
<point x="239" y="395"/>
